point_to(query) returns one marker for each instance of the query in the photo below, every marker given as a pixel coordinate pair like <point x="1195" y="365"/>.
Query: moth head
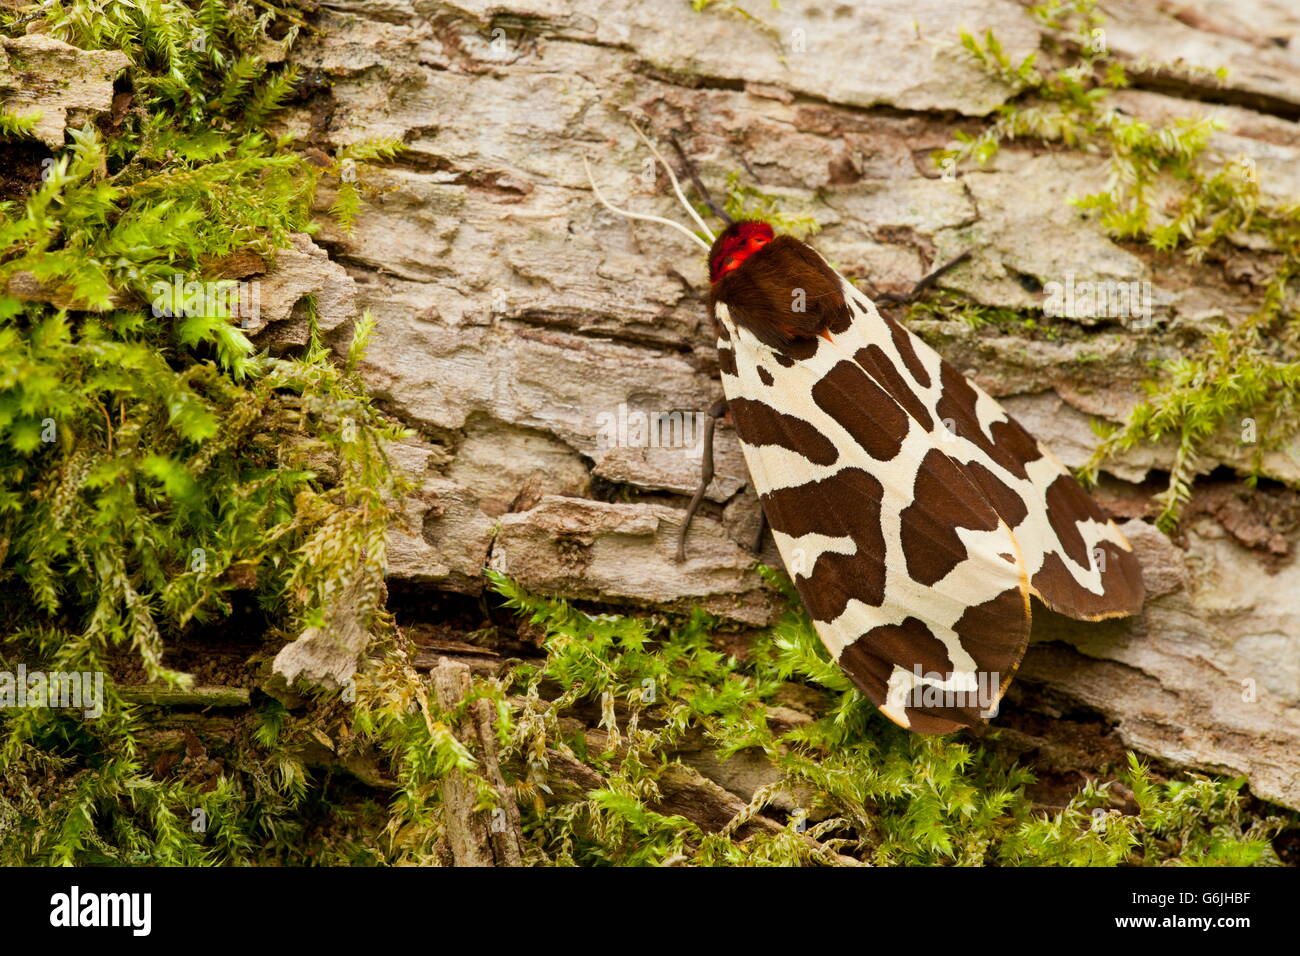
<point x="737" y="243"/>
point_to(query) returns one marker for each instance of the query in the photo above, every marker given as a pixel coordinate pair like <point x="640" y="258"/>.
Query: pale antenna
<point x="628" y="214"/>
<point x="677" y="187"/>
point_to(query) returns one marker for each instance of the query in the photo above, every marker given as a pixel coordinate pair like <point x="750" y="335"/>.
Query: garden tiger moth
<point x="916" y="518"/>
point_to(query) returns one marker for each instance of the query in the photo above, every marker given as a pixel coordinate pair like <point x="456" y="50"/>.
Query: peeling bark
<point x="65" y="85"/>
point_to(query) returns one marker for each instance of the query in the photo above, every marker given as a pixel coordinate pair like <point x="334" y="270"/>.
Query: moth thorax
<point x="780" y="289"/>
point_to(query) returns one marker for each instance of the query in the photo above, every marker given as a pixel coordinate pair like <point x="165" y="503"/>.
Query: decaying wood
<point x="482" y="661"/>
<point x="163" y="696"/>
<point x="475" y="838"/>
<point x="328" y="656"/>
<point x="503" y="831"/>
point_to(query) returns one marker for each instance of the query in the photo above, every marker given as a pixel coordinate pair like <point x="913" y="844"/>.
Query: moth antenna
<point x="627" y="214"/>
<point x="699" y="186"/>
<point x="677" y="187"/>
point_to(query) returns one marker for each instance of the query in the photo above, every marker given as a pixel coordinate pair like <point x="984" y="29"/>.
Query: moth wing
<point x="1078" y="562"/>
<point x="913" y="581"/>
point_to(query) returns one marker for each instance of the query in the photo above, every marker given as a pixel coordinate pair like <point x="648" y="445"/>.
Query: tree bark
<point x="522" y="327"/>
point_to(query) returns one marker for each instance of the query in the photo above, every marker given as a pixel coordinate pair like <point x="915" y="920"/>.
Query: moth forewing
<point x="1079" y="562"/>
<point x="933" y="655"/>
<point x="915" y="516"/>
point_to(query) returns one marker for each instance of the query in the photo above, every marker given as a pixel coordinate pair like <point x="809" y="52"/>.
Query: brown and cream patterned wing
<point x="912" y="577"/>
<point x="1077" y="561"/>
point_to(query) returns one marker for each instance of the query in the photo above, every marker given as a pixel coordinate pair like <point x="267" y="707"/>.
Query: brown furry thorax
<point x="781" y="289"/>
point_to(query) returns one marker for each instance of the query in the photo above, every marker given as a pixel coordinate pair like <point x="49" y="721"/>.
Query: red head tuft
<point x="737" y="243"/>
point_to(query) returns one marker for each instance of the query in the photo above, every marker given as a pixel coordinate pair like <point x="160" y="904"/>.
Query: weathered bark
<point x="65" y="85"/>
<point x="516" y="317"/>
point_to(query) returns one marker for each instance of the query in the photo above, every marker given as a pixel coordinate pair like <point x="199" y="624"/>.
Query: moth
<point x="916" y="518"/>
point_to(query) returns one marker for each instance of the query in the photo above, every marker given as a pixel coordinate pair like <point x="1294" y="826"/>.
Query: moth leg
<point x="893" y="298"/>
<point x="716" y="411"/>
<point x="757" y="544"/>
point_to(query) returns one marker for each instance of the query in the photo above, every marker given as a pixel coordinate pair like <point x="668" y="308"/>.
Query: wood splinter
<point x="474" y="837"/>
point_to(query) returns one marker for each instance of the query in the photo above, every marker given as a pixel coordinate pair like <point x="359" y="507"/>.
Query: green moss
<point x="13" y="126"/>
<point x="748" y="202"/>
<point x="159" y="478"/>
<point x="950" y="306"/>
<point x="867" y="789"/>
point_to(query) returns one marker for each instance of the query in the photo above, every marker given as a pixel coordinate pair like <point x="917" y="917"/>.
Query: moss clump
<point x="748" y="202"/>
<point x="949" y="306"/>
<point x="158" y="476"/>
<point x="864" y="789"/>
